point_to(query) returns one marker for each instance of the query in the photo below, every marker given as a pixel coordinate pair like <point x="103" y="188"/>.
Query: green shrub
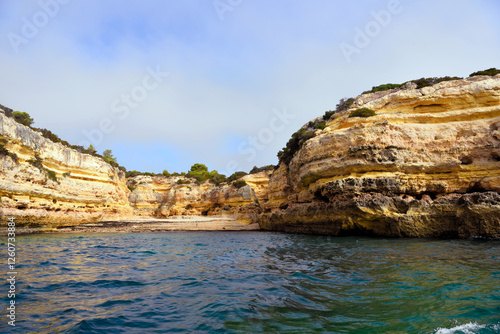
<point x="91" y="150"/>
<point x="132" y="173"/>
<point x="294" y="144"/>
<point x="198" y="168"/>
<point x="382" y="88"/>
<point x="166" y="173"/>
<point x="181" y="181"/>
<point x="217" y="178"/>
<point x="328" y="115"/>
<point x="235" y="176"/>
<point x="5" y="152"/>
<point x="256" y="169"/>
<point x="239" y="184"/>
<point x="131" y="185"/>
<point x="362" y="112"/>
<point x="23" y="118"/>
<point x="491" y="72"/>
<point x="426" y="82"/>
<point x="107" y="155"/>
<point x="51" y="174"/>
<point x="135" y="173"/>
<point x="321" y="126"/>
<point x="199" y="172"/>
<point x="344" y="104"/>
<point x="37" y="162"/>
<point x="8" y="111"/>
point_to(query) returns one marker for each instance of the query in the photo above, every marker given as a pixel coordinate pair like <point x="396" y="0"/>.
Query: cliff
<point x="175" y="196"/>
<point x="45" y="184"/>
<point x="426" y="165"/>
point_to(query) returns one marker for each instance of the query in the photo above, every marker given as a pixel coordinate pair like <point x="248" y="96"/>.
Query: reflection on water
<point x="252" y="282"/>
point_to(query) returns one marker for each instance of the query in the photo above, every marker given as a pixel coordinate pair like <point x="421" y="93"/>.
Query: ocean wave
<point x="469" y="328"/>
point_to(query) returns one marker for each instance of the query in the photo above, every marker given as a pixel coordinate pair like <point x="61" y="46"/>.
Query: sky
<point x="165" y="84"/>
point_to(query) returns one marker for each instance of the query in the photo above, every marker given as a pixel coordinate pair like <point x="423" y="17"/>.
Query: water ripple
<point x="255" y="282"/>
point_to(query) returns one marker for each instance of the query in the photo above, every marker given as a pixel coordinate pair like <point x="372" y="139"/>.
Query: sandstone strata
<point x="47" y="185"/>
<point x="160" y="196"/>
<point x="427" y="165"/>
<point x="85" y="188"/>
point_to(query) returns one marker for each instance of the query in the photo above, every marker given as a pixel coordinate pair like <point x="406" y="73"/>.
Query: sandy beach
<point x="179" y="223"/>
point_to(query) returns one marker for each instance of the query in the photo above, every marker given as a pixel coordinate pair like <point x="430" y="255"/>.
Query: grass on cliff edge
<point x="362" y="112"/>
<point x="307" y="132"/>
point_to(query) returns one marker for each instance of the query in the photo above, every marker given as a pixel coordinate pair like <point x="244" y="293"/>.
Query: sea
<point x="251" y="282"/>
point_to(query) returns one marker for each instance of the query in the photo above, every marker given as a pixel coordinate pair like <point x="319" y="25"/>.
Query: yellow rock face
<point x="46" y="185"/>
<point x="424" y="149"/>
<point x="85" y="188"/>
<point x="164" y="196"/>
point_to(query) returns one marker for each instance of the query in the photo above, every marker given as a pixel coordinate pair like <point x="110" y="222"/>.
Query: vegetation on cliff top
<point x="308" y="131"/>
<point x="25" y="119"/>
<point x="256" y="169"/>
<point x="421" y="83"/>
<point x="426" y="82"/>
<point x="199" y="173"/>
<point x="491" y="72"/>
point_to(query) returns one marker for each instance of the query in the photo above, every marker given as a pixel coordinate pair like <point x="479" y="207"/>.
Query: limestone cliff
<point x="161" y="196"/>
<point x="45" y="184"/>
<point x="426" y="165"/>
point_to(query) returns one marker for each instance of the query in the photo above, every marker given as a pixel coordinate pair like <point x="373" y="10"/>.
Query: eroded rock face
<point x="427" y="165"/>
<point x="84" y="189"/>
<point x="45" y="185"/>
<point x="174" y="196"/>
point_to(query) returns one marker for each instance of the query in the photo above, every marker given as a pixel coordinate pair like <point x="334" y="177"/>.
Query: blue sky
<point x="231" y="71"/>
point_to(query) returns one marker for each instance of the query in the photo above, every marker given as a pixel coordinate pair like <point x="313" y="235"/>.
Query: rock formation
<point x="46" y="184"/>
<point x="160" y="196"/>
<point x="426" y="165"/>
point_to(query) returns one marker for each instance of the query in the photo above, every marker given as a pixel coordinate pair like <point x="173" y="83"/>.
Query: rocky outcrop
<point x="426" y="165"/>
<point x="161" y="196"/>
<point x="45" y="184"/>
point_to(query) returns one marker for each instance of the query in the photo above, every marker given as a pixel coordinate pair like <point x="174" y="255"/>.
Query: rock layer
<point x="426" y="165"/>
<point x="175" y="196"/>
<point x="45" y="184"/>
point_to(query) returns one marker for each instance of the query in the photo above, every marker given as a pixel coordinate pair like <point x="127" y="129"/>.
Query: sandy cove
<point x="176" y="223"/>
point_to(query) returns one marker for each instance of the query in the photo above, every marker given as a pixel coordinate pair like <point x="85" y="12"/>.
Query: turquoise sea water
<point x="253" y="282"/>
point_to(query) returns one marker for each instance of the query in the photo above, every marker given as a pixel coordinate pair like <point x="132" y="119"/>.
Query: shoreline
<point x="150" y="225"/>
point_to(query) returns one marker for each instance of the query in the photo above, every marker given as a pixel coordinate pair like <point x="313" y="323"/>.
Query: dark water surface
<point x="253" y="282"/>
